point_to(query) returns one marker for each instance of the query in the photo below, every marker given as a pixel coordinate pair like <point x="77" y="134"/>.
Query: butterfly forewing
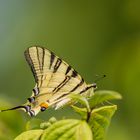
<point x="51" y="72"/>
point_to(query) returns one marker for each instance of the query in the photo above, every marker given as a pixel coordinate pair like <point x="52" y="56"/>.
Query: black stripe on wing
<point x="40" y="58"/>
<point x="43" y="56"/>
<point x="78" y="85"/>
<point x="65" y="94"/>
<point x="57" y="64"/>
<point x="30" y="62"/>
<point x="84" y="90"/>
<point x="68" y="69"/>
<point x="52" y="59"/>
<point x="88" y="87"/>
<point x="74" y="73"/>
<point x="63" y="83"/>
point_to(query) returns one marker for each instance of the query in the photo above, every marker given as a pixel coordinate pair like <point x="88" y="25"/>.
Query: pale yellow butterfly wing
<point x="50" y="72"/>
<point x="54" y="78"/>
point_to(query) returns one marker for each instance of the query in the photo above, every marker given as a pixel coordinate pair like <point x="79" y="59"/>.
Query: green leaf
<point x="80" y="99"/>
<point x="70" y="129"/>
<point x="83" y="132"/>
<point x="33" y="124"/>
<point x="81" y="111"/>
<point x="100" y="119"/>
<point x="103" y="95"/>
<point x="30" y="135"/>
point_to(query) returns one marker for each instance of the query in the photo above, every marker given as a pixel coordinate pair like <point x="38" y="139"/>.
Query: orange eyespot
<point x="44" y="105"/>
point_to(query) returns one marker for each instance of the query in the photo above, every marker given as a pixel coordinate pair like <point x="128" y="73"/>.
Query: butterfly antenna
<point x="99" y="78"/>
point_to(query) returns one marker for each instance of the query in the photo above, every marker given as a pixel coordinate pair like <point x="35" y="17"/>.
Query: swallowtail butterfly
<point x="55" y="81"/>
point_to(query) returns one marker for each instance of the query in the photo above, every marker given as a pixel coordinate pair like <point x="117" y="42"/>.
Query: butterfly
<point x="55" y="81"/>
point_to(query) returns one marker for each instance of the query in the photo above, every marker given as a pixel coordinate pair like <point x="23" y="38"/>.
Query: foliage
<point x="95" y="119"/>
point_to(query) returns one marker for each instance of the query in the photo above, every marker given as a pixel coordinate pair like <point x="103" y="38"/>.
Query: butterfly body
<point x="55" y="81"/>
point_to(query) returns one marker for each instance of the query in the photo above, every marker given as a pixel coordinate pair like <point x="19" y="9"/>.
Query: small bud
<point x="52" y="120"/>
<point x="45" y="125"/>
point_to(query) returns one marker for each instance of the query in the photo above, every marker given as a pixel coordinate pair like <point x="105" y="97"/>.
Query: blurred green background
<point x="95" y="37"/>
